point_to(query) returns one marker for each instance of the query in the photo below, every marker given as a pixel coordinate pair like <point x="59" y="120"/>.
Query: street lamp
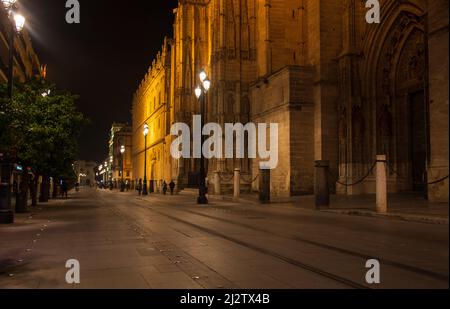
<point x="146" y="132"/>
<point x="9" y="4"/>
<point x="17" y="25"/>
<point x="110" y="173"/>
<point x="200" y="93"/>
<point x="17" y="22"/>
<point x="122" y="152"/>
<point x="203" y="76"/>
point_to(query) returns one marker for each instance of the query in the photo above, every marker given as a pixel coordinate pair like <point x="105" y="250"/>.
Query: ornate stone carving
<point x="384" y="130"/>
<point x="343" y="138"/>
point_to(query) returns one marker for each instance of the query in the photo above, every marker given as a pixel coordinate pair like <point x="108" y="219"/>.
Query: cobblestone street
<point x="125" y="241"/>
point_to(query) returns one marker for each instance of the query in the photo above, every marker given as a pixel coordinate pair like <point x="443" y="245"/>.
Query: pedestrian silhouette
<point x="139" y="187"/>
<point x="64" y="189"/>
<point x="172" y="187"/>
<point x="165" y="188"/>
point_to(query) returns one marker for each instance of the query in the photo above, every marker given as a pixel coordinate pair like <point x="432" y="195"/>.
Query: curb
<point x="400" y="217"/>
<point x="361" y="213"/>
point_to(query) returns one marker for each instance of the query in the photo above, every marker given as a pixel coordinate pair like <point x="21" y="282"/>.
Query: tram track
<point x="160" y="210"/>
<point x="383" y="261"/>
<point x="312" y="269"/>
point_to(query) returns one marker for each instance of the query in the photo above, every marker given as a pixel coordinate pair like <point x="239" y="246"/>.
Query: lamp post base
<point x="202" y="200"/>
<point x="145" y="189"/>
<point x="21" y="203"/>
<point x="6" y="217"/>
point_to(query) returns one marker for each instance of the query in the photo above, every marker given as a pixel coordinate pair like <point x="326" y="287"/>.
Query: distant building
<point x="26" y="62"/>
<point x="85" y="171"/>
<point x="120" y="136"/>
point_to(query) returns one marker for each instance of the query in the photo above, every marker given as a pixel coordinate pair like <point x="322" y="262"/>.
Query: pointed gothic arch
<point x="396" y="90"/>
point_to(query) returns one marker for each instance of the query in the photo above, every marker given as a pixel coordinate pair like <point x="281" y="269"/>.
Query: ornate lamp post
<point x="146" y="132"/>
<point x="122" y="184"/>
<point x="105" y="175"/>
<point x="201" y="92"/>
<point x="110" y="173"/>
<point x="17" y="25"/>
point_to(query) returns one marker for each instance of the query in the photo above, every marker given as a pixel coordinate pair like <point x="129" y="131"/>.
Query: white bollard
<point x="382" y="206"/>
<point x="237" y="183"/>
<point x="217" y="183"/>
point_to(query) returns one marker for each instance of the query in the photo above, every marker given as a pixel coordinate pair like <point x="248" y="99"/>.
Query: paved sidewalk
<point x="113" y="253"/>
<point x="405" y="206"/>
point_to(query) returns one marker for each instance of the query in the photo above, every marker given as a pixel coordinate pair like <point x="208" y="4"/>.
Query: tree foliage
<point x="41" y="131"/>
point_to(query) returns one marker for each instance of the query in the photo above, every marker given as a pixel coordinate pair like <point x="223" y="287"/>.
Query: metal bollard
<point x="264" y="186"/>
<point x="322" y="189"/>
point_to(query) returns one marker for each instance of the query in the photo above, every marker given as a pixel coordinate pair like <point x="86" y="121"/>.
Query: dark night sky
<point x="102" y="59"/>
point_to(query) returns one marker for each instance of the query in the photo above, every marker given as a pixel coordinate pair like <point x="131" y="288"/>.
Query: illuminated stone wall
<point x="341" y="89"/>
<point x="152" y="106"/>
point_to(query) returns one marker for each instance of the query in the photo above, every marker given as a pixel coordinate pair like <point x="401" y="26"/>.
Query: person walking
<point x="64" y="189"/>
<point x="172" y="187"/>
<point x="139" y="187"/>
<point x="164" y="187"/>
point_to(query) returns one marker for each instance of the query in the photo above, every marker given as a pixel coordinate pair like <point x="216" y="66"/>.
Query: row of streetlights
<point x="104" y="167"/>
<point x="200" y="92"/>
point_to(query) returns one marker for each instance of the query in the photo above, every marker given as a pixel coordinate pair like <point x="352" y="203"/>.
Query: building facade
<point x="86" y="172"/>
<point x="152" y="108"/>
<point x="341" y="89"/>
<point x="119" y="166"/>
<point x="26" y="62"/>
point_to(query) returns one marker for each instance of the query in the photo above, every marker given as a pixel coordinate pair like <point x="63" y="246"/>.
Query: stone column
<point x="381" y="184"/>
<point x="264" y="186"/>
<point x="438" y="40"/>
<point x="322" y="188"/>
<point x="237" y="183"/>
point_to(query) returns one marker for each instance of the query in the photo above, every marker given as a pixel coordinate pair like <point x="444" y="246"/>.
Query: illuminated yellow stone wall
<point x="152" y="106"/>
<point x="313" y="66"/>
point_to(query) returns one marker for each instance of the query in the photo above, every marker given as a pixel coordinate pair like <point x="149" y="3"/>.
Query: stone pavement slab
<point x="125" y="241"/>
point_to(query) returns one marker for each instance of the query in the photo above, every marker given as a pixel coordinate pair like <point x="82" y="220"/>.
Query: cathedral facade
<point x="341" y="90"/>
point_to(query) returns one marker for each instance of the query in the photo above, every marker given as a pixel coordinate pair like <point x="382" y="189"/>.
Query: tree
<point x="40" y="128"/>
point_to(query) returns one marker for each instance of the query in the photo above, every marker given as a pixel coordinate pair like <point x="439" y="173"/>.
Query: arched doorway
<point x="399" y="96"/>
